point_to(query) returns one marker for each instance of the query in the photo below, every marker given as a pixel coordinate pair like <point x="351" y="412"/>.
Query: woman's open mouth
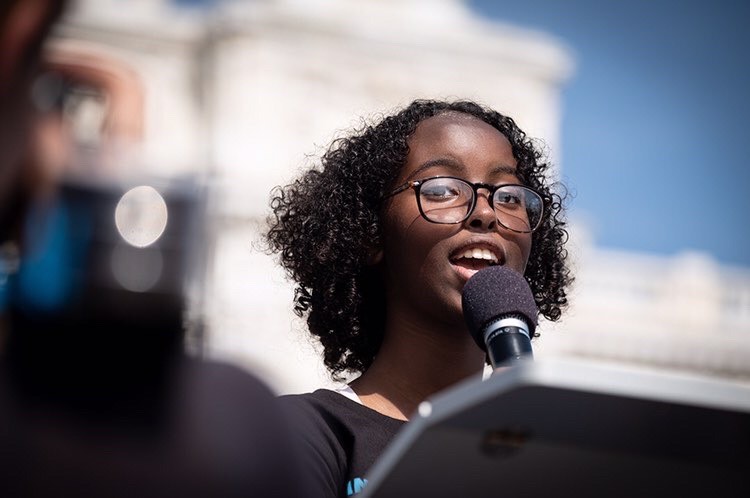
<point x="470" y="260"/>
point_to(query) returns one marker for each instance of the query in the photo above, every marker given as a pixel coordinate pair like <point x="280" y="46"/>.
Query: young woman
<point x="381" y="239"/>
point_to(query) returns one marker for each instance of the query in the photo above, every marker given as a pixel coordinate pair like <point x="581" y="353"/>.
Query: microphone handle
<point x="508" y="342"/>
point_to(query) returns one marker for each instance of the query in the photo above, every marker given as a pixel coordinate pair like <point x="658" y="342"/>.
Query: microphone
<point x="501" y="314"/>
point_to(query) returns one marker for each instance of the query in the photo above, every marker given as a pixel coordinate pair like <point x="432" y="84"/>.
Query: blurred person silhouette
<point x="97" y="396"/>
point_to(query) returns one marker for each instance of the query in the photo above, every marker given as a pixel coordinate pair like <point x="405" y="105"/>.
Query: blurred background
<point x="638" y="105"/>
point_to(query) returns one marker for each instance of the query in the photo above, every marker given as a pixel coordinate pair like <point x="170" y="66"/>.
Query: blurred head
<point x="71" y="295"/>
<point x="24" y="25"/>
<point x="356" y="248"/>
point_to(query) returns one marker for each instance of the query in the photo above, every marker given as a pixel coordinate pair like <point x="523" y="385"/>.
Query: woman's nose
<point x="483" y="216"/>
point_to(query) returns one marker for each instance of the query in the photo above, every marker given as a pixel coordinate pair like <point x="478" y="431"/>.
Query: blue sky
<point x="655" y="139"/>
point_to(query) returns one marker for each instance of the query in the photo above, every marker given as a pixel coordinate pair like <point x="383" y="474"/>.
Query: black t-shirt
<point x="339" y="439"/>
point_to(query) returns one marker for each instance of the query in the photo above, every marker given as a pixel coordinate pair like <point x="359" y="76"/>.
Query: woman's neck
<point x="413" y="364"/>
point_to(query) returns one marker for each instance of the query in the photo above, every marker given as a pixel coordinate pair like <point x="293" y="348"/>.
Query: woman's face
<point x="426" y="264"/>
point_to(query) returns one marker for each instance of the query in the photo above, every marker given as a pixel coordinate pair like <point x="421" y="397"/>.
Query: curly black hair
<point x="326" y="224"/>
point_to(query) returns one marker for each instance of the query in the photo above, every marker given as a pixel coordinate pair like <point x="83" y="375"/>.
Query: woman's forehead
<point x="458" y="142"/>
<point x="455" y="131"/>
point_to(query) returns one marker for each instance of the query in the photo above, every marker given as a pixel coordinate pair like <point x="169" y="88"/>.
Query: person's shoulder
<point x="322" y="408"/>
<point x="330" y="407"/>
<point x="343" y="436"/>
<point x="331" y="411"/>
<point x="224" y="379"/>
<point x="227" y="395"/>
<point x="230" y="421"/>
<point x="320" y="399"/>
<point x="321" y="433"/>
<point x="227" y="405"/>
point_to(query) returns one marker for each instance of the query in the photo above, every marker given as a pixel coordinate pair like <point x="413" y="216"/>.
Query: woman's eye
<point x="440" y="192"/>
<point x="507" y="198"/>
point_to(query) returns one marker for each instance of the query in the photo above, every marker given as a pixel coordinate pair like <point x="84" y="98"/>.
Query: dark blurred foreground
<point x="97" y="394"/>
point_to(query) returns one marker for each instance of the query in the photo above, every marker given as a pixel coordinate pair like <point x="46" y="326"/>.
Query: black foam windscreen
<point x="495" y="292"/>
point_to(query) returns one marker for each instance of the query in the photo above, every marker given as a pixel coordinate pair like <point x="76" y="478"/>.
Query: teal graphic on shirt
<point x="355" y="486"/>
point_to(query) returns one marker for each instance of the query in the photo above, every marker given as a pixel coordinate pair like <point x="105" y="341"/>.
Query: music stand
<point x="560" y="428"/>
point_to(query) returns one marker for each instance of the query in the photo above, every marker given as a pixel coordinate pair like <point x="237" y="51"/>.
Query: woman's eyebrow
<point x="458" y="167"/>
<point x="445" y="162"/>
<point x="504" y="169"/>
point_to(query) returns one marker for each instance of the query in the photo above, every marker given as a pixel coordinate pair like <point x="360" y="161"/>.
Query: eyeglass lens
<point x="449" y="200"/>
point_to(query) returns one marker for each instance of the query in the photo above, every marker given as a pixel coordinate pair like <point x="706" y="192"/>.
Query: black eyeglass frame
<point x="416" y="185"/>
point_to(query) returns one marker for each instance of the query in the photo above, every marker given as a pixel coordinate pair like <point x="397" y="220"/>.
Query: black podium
<point x="547" y="429"/>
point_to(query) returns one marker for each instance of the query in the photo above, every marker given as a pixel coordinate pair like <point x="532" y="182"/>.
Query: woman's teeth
<point x="477" y="253"/>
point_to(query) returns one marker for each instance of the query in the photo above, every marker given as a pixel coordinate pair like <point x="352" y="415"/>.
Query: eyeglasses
<point x="446" y="199"/>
